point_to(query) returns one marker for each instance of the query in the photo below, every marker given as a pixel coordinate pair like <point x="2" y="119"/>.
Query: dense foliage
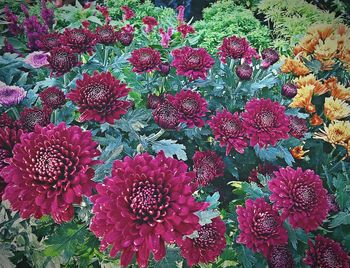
<point x="124" y="141"/>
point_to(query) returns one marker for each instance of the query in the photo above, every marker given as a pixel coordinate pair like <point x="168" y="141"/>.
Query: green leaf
<point x="213" y="200"/>
<point x="170" y="148"/>
<point x="340" y="219"/>
<point x="206" y="216"/>
<point x="252" y="190"/>
<point x="95" y="20"/>
<point x="245" y="256"/>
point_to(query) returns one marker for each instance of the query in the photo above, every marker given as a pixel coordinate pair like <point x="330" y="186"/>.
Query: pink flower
<point x="128" y="13"/>
<point x="191" y="107"/>
<point x="37" y="59"/>
<point x="265" y="122"/>
<point x="229" y="130"/>
<point x="150" y="23"/>
<point x="125" y="35"/>
<point x="52" y="97"/>
<point x="146" y="203"/>
<point x="208" y="166"/>
<point x="181" y="14"/>
<point x="51" y="170"/>
<point x="185" y="29"/>
<point x="260" y="225"/>
<point x="192" y="62"/>
<point x="166" y="37"/>
<point x="301" y="197"/>
<point x="11" y="95"/>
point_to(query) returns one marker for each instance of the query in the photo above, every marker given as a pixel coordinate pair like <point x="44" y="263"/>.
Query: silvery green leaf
<point x="170" y="148"/>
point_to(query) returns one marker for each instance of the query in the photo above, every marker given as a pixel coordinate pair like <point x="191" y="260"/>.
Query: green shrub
<point x="223" y="19"/>
<point x="290" y="19"/>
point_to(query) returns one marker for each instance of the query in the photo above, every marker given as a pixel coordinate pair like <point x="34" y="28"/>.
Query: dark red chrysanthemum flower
<point x="289" y="90"/>
<point x="207" y="246"/>
<point x="145" y="59"/>
<point x="192" y="62"/>
<point x="301" y="197"/>
<point x="265" y="122"/>
<point x="164" y="68"/>
<point x="260" y="225"/>
<point x="166" y="115"/>
<point x="30" y="117"/>
<point x="50" y="171"/>
<point x="244" y="71"/>
<point x="2" y="187"/>
<point x="191" y="107"/>
<point x="270" y="56"/>
<point x="106" y="35"/>
<point x="49" y="41"/>
<point x="229" y="130"/>
<point x="263" y="169"/>
<point x="79" y="40"/>
<point x="52" y="97"/>
<point x="280" y="257"/>
<point x="208" y="166"/>
<point x="332" y="203"/>
<point x="185" y="29"/>
<point x="98" y="97"/>
<point x="125" y="35"/>
<point x="8" y="139"/>
<point x="236" y="48"/>
<point x="298" y="126"/>
<point x="326" y="253"/>
<point x="6" y="121"/>
<point x="62" y="60"/>
<point x="146" y="203"/>
<point x="153" y="101"/>
<point x="150" y="23"/>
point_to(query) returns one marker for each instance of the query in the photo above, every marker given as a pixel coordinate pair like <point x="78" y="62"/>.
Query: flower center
<point x="265" y="119"/>
<point x="6" y="93"/>
<point x="61" y="57"/>
<point x="207" y="237"/>
<point x="264" y="225"/>
<point x="105" y="33"/>
<point x="148" y="202"/>
<point x="33" y="118"/>
<point x="206" y="169"/>
<point x="145" y="57"/>
<point x="78" y="37"/>
<point x="329" y="259"/>
<point x="189" y="106"/>
<point x="304" y="197"/>
<point x="230" y="127"/>
<point x="194" y="60"/>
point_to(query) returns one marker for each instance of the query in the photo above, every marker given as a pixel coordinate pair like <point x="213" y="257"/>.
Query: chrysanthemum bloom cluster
<point x="298" y="127"/>
<point x="49" y="41"/>
<point x="260" y="226"/>
<point x="191" y="107"/>
<point x="326" y="253"/>
<point x="326" y="43"/>
<point x="128" y="13"/>
<point x="62" y="60"/>
<point x="265" y="122"/>
<point x="208" y="166"/>
<point x="13" y="26"/>
<point x="79" y="40"/>
<point x="30" y="117"/>
<point x="300" y="196"/>
<point x="37" y="59"/>
<point x="280" y="257"/>
<point x="145" y="59"/>
<point x="99" y="97"/>
<point x="192" y="62"/>
<point x="11" y="95"/>
<point x="335" y="109"/>
<point x="50" y="170"/>
<point x="166" y="115"/>
<point x="270" y="56"/>
<point x="237" y="48"/>
<point x="146" y="203"/>
<point x="106" y="35"/>
<point x="34" y="30"/>
<point x="125" y="35"/>
<point x="229" y="130"/>
<point x="150" y="23"/>
<point x="207" y="246"/>
<point x="52" y="97"/>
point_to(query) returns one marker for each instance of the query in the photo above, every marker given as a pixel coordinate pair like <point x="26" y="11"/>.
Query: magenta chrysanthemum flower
<point x="166" y="115"/>
<point x="52" y="97"/>
<point x="326" y="253"/>
<point x="164" y="68"/>
<point x="99" y="97"/>
<point x="30" y="117"/>
<point x="191" y="107"/>
<point x="289" y="90"/>
<point x="280" y="257"/>
<point x="106" y="35"/>
<point x="301" y="197"/>
<point x="270" y="56"/>
<point x="79" y="40"/>
<point x="128" y="13"/>
<point x="8" y="139"/>
<point x="236" y="48"/>
<point x="125" y="35"/>
<point x="265" y="122"/>
<point x="229" y="130"/>
<point x="260" y="225"/>
<point x="150" y="23"/>
<point x="192" y="62"/>
<point x="37" y="59"/>
<point x="207" y="246"/>
<point x="11" y="95"/>
<point x="146" y="203"/>
<point x="185" y="29"/>
<point x="298" y="126"/>
<point x="62" y="60"/>
<point x="50" y="170"/>
<point x="208" y="166"/>
<point x="153" y="101"/>
<point x="145" y="59"/>
<point x="49" y="41"/>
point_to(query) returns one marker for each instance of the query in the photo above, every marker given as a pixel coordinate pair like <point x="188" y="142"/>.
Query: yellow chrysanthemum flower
<point x="338" y="132"/>
<point x="326" y="50"/>
<point x="303" y="97"/>
<point x="335" y="109"/>
<point x="341" y="92"/>
<point x="322" y="30"/>
<point x="310" y="79"/>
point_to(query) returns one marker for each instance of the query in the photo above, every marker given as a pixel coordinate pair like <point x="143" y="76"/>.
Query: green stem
<point x="105" y="57"/>
<point x="15" y="112"/>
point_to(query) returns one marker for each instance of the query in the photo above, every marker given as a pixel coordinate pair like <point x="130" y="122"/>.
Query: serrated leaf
<point x="170" y="148"/>
<point x="252" y="190"/>
<point x="206" y="216"/>
<point x="342" y="218"/>
<point x="213" y="200"/>
<point x="245" y="256"/>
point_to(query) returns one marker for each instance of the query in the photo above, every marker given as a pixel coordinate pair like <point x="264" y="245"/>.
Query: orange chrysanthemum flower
<point x="337" y="89"/>
<point x="316" y="120"/>
<point x="303" y="97"/>
<point x="298" y="152"/>
<point x="322" y="30"/>
<point x="310" y="79"/>
<point x="294" y="66"/>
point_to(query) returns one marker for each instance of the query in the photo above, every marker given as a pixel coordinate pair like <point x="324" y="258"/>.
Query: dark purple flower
<point x="166" y="115"/>
<point x="13" y="26"/>
<point x="153" y="101"/>
<point x="47" y="14"/>
<point x="30" y="117"/>
<point x="298" y="126"/>
<point x="125" y="35"/>
<point x="62" y="60"/>
<point x="164" y="68"/>
<point x="280" y="257"/>
<point x="289" y="90"/>
<point x="244" y="71"/>
<point x="52" y="97"/>
<point x="34" y="30"/>
<point x="269" y="56"/>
